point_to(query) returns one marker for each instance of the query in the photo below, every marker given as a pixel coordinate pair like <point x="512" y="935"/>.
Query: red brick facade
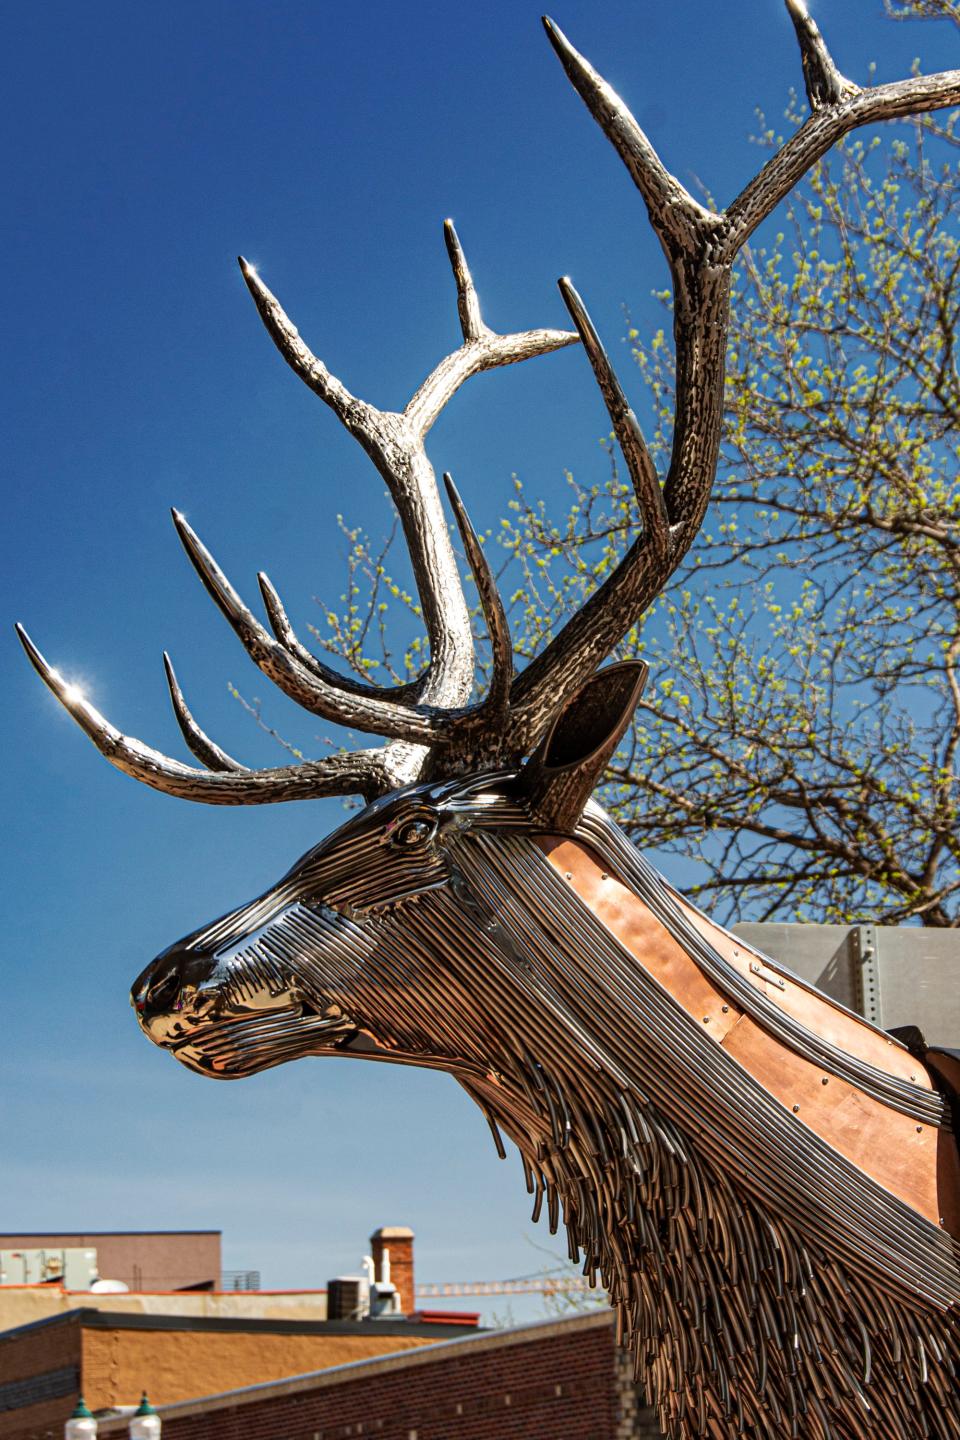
<point x="558" y="1381"/>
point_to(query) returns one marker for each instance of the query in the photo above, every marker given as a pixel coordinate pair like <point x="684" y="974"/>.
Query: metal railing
<point x="240" y="1280"/>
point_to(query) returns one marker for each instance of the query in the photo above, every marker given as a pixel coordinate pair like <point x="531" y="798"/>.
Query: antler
<point x="700" y="246"/>
<point x="428" y="719"/>
<point x="395" y="444"/>
<point x="352" y="773"/>
<point x="416" y="715"/>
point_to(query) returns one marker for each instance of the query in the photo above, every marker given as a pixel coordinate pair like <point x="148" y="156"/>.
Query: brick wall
<point x="558" y="1381"/>
<point x="637" y="1420"/>
<point x="111" y="1359"/>
<point x="39" y="1381"/>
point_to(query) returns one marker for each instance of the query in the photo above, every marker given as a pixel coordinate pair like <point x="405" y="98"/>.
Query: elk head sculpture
<point x="767" y="1185"/>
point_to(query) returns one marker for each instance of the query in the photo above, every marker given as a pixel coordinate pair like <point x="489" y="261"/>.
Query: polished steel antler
<point x="416" y="715"/>
<point x="431" y="728"/>
<point x="700" y="246"/>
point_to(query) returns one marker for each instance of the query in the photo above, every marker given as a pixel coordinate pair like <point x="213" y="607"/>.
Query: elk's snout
<point x="174" y="993"/>
<point x="239" y="996"/>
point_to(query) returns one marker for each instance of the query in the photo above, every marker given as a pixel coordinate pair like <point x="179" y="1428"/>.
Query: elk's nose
<point x="165" y="996"/>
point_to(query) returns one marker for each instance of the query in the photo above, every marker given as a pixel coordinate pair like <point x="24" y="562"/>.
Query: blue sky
<point x="146" y="145"/>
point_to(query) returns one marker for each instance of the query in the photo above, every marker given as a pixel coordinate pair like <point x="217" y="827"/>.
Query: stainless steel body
<point x="757" y="1273"/>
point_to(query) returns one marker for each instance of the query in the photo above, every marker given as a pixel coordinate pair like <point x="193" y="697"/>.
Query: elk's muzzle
<point x="245" y="1005"/>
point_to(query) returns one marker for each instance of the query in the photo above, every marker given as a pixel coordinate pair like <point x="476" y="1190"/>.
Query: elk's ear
<point x="558" y="779"/>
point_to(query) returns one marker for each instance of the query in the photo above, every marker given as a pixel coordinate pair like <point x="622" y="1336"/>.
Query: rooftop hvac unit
<point x="384" y="1301"/>
<point x="348" y="1297"/>
<point x="74" y="1269"/>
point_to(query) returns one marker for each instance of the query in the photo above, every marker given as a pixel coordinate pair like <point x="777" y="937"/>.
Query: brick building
<point x="555" y="1380"/>
<point x="141" y="1259"/>
<point x="110" y="1358"/>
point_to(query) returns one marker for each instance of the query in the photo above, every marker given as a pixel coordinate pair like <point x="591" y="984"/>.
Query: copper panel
<point x="890" y="1147"/>
<point x="814" y="1010"/>
<point x="638" y="931"/>
<point x="900" y="1155"/>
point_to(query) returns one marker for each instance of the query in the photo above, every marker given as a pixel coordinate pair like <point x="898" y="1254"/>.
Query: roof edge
<point x="377" y="1365"/>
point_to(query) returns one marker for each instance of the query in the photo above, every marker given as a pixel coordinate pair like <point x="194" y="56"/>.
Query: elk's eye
<point x="413" y="832"/>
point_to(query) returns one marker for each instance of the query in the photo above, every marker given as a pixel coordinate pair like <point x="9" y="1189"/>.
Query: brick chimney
<point x="398" y="1241"/>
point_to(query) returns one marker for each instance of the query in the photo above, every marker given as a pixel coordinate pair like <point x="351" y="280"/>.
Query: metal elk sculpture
<point x="767" y="1185"/>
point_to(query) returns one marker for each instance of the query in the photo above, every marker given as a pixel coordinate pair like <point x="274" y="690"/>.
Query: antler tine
<point x="700" y="247"/>
<point x="689" y="233"/>
<point x="626" y="427"/>
<point x="395" y="443"/>
<point x="363" y="772"/>
<point x="198" y="741"/>
<point x="825" y="85"/>
<point x="674" y="213"/>
<point x="397" y="451"/>
<point x="288" y="637"/>
<point x="287" y="673"/>
<point x="468" y="303"/>
<point x="482" y="348"/>
<point x="838" y="106"/>
<point x="299" y="357"/>
<point x="498" y="627"/>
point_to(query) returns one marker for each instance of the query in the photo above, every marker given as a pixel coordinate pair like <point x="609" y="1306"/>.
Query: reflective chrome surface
<point x="759" y="1275"/>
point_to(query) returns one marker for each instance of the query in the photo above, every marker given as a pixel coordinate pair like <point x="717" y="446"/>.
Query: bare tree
<point x="800" y="743"/>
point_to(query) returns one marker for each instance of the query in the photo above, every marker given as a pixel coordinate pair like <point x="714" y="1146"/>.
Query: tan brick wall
<point x="116" y="1365"/>
<point x="182" y="1364"/>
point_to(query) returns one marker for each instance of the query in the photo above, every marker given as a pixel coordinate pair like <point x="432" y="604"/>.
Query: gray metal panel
<point x="818" y="953"/>
<point x="920" y="981"/>
<point x="894" y="975"/>
<point x="865" y="965"/>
